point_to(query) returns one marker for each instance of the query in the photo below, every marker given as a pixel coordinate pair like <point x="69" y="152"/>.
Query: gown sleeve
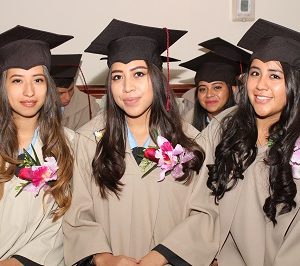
<point x="83" y="236"/>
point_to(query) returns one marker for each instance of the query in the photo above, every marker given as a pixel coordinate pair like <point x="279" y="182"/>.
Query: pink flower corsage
<point x="37" y="175"/>
<point x="166" y="157"/>
<point x="295" y="160"/>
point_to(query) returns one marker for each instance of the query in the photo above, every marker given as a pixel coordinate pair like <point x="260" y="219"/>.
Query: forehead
<point x="36" y="70"/>
<point x="131" y="65"/>
<point x="268" y="64"/>
<point x="204" y="83"/>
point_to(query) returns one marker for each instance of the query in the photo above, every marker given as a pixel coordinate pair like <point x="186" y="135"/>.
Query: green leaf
<point x="150" y="170"/>
<point x="35" y="155"/>
<point x="21" y="187"/>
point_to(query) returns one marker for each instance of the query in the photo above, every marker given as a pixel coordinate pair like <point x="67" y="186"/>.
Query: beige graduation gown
<point x="76" y="113"/>
<point x="26" y="226"/>
<point x="247" y="237"/>
<point x="145" y="216"/>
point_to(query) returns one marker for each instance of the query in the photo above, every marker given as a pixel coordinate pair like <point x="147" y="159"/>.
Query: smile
<point x="28" y="103"/>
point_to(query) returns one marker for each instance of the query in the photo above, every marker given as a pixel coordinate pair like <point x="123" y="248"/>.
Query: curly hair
<point x="52" y="136"/>
<point x="109" y="164"/>
<point x="237" y="149"/>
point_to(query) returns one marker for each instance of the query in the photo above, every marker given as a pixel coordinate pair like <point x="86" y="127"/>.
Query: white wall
<point x="85" y="19"/>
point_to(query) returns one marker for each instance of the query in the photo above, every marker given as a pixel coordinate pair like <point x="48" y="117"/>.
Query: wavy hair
<point x="200" y="114"/>
<point x="52" y="136"/>
<point x="237" y="149"/>
<point x="109" y="164"/>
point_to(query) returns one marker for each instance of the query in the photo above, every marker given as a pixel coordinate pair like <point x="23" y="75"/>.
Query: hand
<point x="153" y="258"/>
<point x="10" y="262"/>
<point x="107" y="259"/>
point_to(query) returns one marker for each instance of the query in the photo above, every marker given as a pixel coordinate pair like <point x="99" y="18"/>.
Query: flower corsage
<point x="166" y="157"/>
<point x="36" y="174"/>
<point x="295" y="160"/>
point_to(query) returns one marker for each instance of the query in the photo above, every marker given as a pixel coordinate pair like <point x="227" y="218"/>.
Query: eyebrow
<point x="132" y="69"/>
<point x="269" y="69"/>
<point x="19" y="75"/>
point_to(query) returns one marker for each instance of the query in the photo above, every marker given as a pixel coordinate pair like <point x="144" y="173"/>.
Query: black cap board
<point x="23" y="47"/>
<point x="64" y="68"/>
<point x="212" y="67"/>
<point x="123" y="42"/>
<point x="272" y="42"/>
<point x="228" y="50"/>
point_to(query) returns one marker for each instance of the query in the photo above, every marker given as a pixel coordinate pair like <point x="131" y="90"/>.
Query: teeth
<point x="262" y="97"/>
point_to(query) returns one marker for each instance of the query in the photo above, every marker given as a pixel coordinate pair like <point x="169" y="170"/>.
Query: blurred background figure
<point x="77" y="107"/>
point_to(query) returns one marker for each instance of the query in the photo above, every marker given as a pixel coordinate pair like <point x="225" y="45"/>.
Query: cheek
<point x="224" y="95"/>
<point x="201" y="98"/>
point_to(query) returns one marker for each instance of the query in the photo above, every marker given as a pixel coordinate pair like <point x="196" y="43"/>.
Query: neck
<point x="25" y="129"/>
<point x="139" y="127"/>
<point x="263" y="126"/>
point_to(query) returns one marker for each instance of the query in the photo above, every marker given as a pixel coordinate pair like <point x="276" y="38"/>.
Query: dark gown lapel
<point x="137" y="153"/>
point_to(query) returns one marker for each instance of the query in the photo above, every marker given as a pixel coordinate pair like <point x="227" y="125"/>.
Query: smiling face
<point x="213" y="96"/>
<point x="26" y="91"/>
<point x="266" y="89"/>
<point x="131" y="88"/>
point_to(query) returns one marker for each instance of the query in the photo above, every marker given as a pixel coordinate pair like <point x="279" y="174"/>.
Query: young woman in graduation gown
<point x="33" y="197"/>
<point x="120" y="215"/>
<point x="253" y="155"/>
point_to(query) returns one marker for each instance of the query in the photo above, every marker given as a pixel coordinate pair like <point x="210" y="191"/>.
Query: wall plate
<point x="243" y="10"/>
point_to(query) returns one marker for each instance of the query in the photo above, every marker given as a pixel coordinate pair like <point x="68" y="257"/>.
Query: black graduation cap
<point x="270" y="41"/>
<point x="212" y="67"/>
<point x="64" y="68"/>
<point x="123" y="42"/>
<point x="24" y="47"/>
<point x="228" y="50"/>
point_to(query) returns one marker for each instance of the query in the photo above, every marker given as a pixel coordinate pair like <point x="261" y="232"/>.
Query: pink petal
<point x="178" y="150"/>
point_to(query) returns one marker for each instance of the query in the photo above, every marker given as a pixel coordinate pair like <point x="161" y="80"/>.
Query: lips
<point x="131" y="100"/>
<point x="211" y="102"/>
<point x="262" y="98"/>
<point x="28" y="103"/>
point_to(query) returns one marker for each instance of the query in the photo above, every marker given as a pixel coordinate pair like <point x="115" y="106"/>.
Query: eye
<point x="253" y="73"/>
<point x="218" y="87"/>
<point x="116" y="77"/>
<point x="274" y="76"/>
<point x="39" y="80"/>
<point x="16" y="81"/>
<point x="201" y="89"/>
<point x="139" y="74"/>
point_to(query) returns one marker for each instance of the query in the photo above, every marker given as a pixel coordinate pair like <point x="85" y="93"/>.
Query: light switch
<point x="243" y="10"/>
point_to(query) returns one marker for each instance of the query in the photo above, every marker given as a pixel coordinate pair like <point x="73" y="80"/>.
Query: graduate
<point x="36" y="159"/>
<point x="77" y="107"/>
<point x="253" y="155"/>
<point x="215" y="80"/>
<point x="137" y="166"/>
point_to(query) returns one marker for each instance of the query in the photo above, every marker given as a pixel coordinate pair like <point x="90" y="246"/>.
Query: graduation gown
<point x="26" y="227"/>
<point x="76" y="113"/>
<point x="143" y="217"/>
<point x="247" y="236"/>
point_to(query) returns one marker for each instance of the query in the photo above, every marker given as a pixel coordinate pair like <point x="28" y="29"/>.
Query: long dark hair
<point x="200" y="114"/>
<point x="52" y="136"/>
<point x="237" y="150"/>
<point x="109" y="165"/>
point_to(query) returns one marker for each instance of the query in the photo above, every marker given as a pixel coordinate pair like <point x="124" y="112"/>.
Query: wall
<point x="204" y="19"/>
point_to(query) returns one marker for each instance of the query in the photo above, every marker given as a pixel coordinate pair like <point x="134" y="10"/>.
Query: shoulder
<point x="210" y="136"/>
<point x="89" y="129"/>
<point x="70" y="134"/>
<point x="190" y="130"/>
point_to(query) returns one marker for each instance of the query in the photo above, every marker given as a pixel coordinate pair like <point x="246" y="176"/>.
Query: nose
<point x="210" y="93"/>
<point x="262" y="83"/>
<point x="128" y="85"/>
<point x="29" y="89"/>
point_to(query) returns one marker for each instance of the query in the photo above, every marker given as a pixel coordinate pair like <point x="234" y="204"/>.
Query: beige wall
<point x="204" y="19"/>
